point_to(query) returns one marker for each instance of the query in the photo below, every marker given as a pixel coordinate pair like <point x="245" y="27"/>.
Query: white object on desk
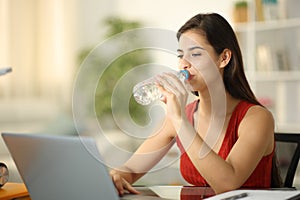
<point x="167" y="192"/>
<point x="258" y="194"/>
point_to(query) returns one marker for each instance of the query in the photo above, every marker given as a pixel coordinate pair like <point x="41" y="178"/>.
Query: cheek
<point x="206" y="75"/>
<point x="198" y="82"/>
<point x="203" y="64"/>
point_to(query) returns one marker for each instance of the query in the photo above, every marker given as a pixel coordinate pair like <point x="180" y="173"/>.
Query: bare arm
<point x="146" y="156"/>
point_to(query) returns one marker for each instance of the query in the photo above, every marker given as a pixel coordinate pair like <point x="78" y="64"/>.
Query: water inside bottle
<point x="146" y="92"/>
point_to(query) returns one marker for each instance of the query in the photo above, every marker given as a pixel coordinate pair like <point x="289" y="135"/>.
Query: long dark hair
<point x="220" y="35"/>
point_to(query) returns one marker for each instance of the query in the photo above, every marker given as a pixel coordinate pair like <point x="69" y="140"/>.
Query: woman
<point x="242" y="152"/>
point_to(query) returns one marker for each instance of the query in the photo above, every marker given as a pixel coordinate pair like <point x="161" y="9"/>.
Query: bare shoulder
<point x="258" y="118"/>
<point x="258" y="112"/>
<point x="257" y="127"/>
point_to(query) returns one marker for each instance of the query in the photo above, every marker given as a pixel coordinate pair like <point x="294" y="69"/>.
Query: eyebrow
<point x="191" y="48"/>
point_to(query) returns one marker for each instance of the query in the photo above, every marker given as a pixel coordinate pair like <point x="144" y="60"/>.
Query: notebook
<point x="271" y="194"/>
<point x="61" y="167"/>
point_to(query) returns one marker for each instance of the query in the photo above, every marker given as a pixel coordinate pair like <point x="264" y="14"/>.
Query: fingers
<point x="166" y="86"/>
<point x="173" y="81"/>
<point x="162" y="90"/>
<point x="131" y="189"/>
<point x="122" y="185"/>
<point x="169" y="84"/>
<point x="117" y="180"/>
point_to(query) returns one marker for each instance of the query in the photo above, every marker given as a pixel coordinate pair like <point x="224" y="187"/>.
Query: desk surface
<point x="274" y="194"/>
<point x="170" y="192"/>
<point x="19" y="191"/>
<point x="13" y="190"/>
<point x="198" y="193"/>
<point x="182" y="192"/>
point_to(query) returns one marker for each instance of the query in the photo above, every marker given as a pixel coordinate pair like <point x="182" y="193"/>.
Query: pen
<point x="237" y="196"/>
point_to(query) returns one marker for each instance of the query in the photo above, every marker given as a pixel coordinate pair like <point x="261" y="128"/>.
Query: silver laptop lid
<point x="60" y="167"/>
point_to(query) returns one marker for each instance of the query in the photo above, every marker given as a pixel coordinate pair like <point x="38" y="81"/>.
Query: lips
<point x="190" y="77"/>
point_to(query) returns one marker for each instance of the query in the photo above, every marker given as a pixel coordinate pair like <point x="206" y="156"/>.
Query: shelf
<point x="287" y="127"/>
<point x="267" y="25"/>
<point x="271" y="50"/>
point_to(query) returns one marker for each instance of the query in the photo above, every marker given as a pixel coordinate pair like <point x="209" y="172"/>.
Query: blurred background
<point x="45" y="42"/>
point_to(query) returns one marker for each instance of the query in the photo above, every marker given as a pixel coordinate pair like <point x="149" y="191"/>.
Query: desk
<point x="18" y="191"/>
<point x="259" y="194"/>
<point x="164" y="192"/>
<point x="14" y="191"/>
<point x="198" y="193"/>
<point x="182" y="192"/>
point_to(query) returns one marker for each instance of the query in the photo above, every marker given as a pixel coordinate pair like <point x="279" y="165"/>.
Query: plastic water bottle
<point x="146" y="91"/>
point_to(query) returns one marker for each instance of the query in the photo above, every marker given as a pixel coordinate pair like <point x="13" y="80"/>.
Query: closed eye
<point x="196" y="54"/>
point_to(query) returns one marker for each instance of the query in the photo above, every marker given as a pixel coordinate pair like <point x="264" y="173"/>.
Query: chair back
<point x="289" y="166"/>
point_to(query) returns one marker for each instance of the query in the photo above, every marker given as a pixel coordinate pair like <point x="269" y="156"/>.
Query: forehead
<point x="191" y="39"/>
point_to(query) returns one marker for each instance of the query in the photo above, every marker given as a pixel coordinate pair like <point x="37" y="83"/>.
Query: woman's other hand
<point x="121" y="184"/>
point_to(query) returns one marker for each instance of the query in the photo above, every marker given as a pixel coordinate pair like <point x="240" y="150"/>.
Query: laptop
<point x="62" y="167"/>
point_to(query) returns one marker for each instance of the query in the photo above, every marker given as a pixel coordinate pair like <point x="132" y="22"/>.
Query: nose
<point x="184" y="64"/>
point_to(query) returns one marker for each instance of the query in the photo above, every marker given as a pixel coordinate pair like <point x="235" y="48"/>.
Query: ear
<point x="225" y="58"/>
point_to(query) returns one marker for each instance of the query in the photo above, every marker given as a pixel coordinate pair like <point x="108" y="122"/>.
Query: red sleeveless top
<point x="261" y="176"/>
